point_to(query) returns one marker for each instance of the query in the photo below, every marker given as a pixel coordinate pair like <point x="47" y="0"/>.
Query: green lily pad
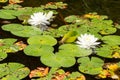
<point x="72" y="18"/>
<point x="7" y="41"/>
<point x="16" y="70"/>
<point x="12" y="27"/>
<point x="91" y="66"/>
<point x="42" y="39"/>
<point x="7" y="14"/>
<point x="108" y="51"/>
<point x="3" y="55"/>
<point x="22" y="31"/>
<point x="7" y="45"/>
<point x="38" y="50"/>
<point x="73" y="50"/>
<point x="27" y="31"/>
<point x="111" y="40"/>
<point x="54" y="60"/>
<point x="69" y="37"/>
<point x="75" y="75"/>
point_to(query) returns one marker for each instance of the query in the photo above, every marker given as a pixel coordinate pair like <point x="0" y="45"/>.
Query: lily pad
<point x="76" y="76"/>
<point x="69" y="37"/>
<point x="3" y="55"/>
<point x="16" y="70"/>
<point x="27" y="31"/>
<point x="73" y="50"/>
<point x="111" y="40"/>
<point x="54" y="60"/>
<point x="7" y="45"/>
<point x="12" y="27"/>
<point x="7" y="14"/>
<point x="72" y="18"/>
<point x="42" y="39"/>
<point x="38" y="50"/>
<point x="109" y="51"/>
<point x="91" y="66"/>
<point x="22" y="31"/>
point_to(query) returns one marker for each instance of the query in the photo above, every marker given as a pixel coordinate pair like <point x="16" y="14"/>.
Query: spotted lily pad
<point x="54" y="60"/>
<point x="42" y="39"/>
<point x="73" y="50"/>
<point x="13" y="71"/>
<point x="109" y="51"/>
<point x="38" y="50"/>
<point x="91" y="66"/>
<point x="7" y="45"/>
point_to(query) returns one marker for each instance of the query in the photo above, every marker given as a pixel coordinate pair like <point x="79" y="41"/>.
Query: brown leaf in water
<point x="21" y="45"/>
<point x="15" y="1"/>
<point x="58" y="76"/>
<point x="39" y="72"/>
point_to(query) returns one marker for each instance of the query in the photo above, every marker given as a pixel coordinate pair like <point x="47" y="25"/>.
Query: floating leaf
<point x="12" y="27"/>
<point x="58" y="60"/>
<point x="15" y="70"/>
<point x="3" y="1"/>
<point x="72" y="19"/>
<point x="7" y="14"/>
<point x="55" y="5"/>
<point x="111" y="40"/>
<point x="39" y="72"/>
<point x="43" y="39"/>
<point x="27" y="31"/>
<point x="7" y="45"/>
<point x="3" y="55"/>
<point x="109" y="51"/>
<point x="69" y="37"/>
<point x="91" y="66"/>
<point x="12" y="6"/>
<point x="15" y="1"/>
<point x="22" y="31"/>
<point x="76" y="76"/>
<point x="38" y="50"/>
<point x="73" y="50"/>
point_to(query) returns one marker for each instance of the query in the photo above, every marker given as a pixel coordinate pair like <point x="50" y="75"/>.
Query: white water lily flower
<point x="40" y="19"/>
<point x="87" y="41"/>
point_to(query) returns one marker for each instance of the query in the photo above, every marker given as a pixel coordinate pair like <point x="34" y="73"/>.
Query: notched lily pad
<point x="38" y="50"/>
<point x="73" y="50"/>
<point x="91" y="66"/>
<point x="42" y="39"/>
<point x="13" y="71"/>
<point x="54" y="60"/>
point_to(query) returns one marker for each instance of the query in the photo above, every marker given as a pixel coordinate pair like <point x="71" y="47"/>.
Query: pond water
<point x="111" y="8"/>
